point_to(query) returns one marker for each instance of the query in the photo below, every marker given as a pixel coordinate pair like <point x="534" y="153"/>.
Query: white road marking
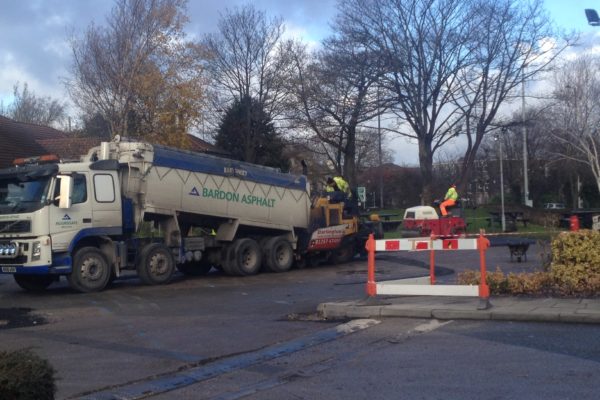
<point x="429" y="326"/>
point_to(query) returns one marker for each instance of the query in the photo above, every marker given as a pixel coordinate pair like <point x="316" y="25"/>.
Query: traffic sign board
<point x="362" y="193"/>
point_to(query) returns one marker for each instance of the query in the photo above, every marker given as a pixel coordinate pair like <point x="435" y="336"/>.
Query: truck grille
<point x="11" y="261"/>
<point x="15" y="226"/>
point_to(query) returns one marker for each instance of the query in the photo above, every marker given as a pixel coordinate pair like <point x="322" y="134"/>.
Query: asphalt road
<point x="220" y="337"/>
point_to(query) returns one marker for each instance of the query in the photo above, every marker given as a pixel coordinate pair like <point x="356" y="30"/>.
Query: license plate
<point x="9" y="269"/>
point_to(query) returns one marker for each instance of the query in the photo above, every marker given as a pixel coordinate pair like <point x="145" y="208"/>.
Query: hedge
<point x="25" y="376"/>
<point x="574" y="270"/>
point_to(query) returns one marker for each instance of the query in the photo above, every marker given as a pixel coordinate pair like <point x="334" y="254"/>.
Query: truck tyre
<point x="278" y="254"/>
<point x="246" y="257"/>
<point x="33" y="283"/>
<point x="227" y="259"/>
<point x="156" y="264"/>
<point x="343" y="254"/>
<point x="91" y="271"/>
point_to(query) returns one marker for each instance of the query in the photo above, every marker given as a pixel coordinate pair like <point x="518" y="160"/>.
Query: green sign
<point x="362" y="193"/>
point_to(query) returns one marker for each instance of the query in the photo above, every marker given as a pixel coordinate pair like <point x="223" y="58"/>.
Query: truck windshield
<point x="22" y="196"/>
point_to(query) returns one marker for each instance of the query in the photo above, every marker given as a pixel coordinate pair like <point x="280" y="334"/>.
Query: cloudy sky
<point x="35" y="49"/>
<point x="34" y="46"/>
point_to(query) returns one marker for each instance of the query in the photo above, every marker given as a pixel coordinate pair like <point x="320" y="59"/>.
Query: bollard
<point x="484" y="289"/>
<point x="574" y="223"/>
<point x="432" y="263"/>
<point x="371" y="285"/>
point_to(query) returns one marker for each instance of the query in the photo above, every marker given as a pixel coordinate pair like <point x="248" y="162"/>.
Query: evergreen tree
<point x="247" y="132"/>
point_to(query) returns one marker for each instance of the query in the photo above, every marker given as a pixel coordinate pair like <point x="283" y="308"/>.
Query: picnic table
<point x="388" y="224"/>
<point x="510" y="217"/>
<point x="387" y="216"/>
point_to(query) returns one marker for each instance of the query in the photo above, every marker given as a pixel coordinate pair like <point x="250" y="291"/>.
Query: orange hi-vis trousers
<point x="446" y="203"/>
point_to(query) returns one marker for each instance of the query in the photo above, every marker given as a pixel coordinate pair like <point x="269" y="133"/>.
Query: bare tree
<point x="335" y="94"/>
<point x="27" y="107"/>
<point x="576" y="115"/>
<point x="513" y="45"/>
<point x="138" y="71"/>
<point x="245" y="59"/>
<point x="424" y="43"/>
<point x="446" y="59"/>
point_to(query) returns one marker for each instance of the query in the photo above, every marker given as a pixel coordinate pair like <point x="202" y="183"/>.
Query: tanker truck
<point x="129" y="205"/>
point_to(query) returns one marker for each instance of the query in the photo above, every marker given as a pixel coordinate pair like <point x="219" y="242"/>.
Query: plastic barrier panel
<point x="426" y="286"/>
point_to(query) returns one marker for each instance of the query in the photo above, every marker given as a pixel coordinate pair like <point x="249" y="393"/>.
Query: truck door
<point x="106" y="208"/>
<point x="66" y="223"/>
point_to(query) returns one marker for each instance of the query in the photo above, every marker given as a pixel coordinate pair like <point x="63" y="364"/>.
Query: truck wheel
<point x="342" y="255"/>
<point x="247" y="257"/>
<point x="156" y="264"/>
<point x="33" y="283"/>
<point x="195" y="268"/>
<point x="279" y="254"/>
<point x="227" y="257"/>
<point x="91" y="271"/>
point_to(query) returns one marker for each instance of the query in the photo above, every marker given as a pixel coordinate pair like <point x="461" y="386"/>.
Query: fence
<point x="427" y="287"/>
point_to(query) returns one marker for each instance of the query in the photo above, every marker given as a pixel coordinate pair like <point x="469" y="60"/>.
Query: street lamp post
<point x="500" y="156"/>
<point x="380" y="155"/>
<point x="526" y="200"/>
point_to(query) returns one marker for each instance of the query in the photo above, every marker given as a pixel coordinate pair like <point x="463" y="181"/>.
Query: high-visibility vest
<point x="342" y="185"/>
<point x="451" y="194"/>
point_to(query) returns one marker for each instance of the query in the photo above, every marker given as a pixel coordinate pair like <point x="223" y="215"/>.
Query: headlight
<point x="36" y="251"/>
<point x="8" y="249"/>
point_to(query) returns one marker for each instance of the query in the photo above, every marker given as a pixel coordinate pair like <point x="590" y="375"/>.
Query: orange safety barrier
<point x="481" y="243"/>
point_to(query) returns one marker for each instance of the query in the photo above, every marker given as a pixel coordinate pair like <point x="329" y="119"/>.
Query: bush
<point x="577" y="248"/>
<point x="496" y="280"/>
<point x="529" y="283"/>
<point x="574" y="270"/>
<point x="575" y="266"/>
<point x="25" y="376"/>
<point x="516" y="284"/>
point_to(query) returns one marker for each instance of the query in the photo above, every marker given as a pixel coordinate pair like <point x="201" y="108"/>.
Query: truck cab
<point x="48" y="210"/>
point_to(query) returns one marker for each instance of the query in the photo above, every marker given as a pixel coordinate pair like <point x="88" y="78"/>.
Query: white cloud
<point x="56" y="47"/>
<point x="297" y="32"/>
<point x="56" y="20"/>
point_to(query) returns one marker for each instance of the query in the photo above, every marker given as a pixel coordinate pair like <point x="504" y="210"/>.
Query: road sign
<point x="362" y="193"/>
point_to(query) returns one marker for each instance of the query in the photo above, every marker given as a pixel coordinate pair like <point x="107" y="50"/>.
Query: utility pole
<point x="526" y="200"/>
<point x="500" y="156"/>
<point x="380" y="156"/>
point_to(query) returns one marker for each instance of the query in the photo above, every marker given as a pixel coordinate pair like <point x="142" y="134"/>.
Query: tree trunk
<point x="350" y="157"/>
<point x="426" y="166"/>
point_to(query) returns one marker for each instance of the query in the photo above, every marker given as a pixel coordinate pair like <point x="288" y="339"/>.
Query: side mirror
<point x="66" y="191"/>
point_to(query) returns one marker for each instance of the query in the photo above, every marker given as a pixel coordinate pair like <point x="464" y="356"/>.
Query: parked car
<point x="554" y="206"/>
